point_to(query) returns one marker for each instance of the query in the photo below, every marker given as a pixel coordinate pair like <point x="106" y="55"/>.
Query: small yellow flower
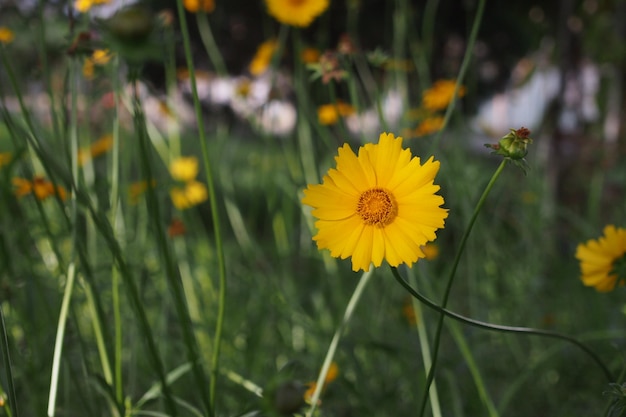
<point x="22" y="187"/>
<point x="328" y="114"/>
<point x="299" y="13"/>
<point x="101" y="56"/>
<point x="6" y="35"/>
<point x="263" y="57"/>
<point x="381" y="204"/>
<point x="84" y="5"/>
<point x="98" y="148"/>
<point x="431" y="251"/>
<point x="310" y="55"/>
<point x="331" y="375"/>
<point x="603" y="260"/>
<point x="192" y="194"/>
<point x="5" y="158"/>
<point x="136" y="189"/>
<point x="89" y="69"/>
<point x="184" y="168"/>
<point x="428" y="126"/>
<point x="440" y="95"/>
<point x="194" y="6"/>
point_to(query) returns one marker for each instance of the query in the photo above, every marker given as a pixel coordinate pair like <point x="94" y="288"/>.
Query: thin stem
<point x="209" y="43"/>
<point x="464" y="65"/>
<point x="330" y="354"/>
<point x="501" y="328"/>
<point x="217" y="340"/>
<point x="6" y="359"/>
<point x="455" y="264"/>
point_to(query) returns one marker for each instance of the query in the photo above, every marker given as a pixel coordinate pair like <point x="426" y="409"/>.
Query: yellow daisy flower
<point x="84" y="5"/>
<point x="299" y="13"/>
<point x="184" y="168"/>
<point x="603" y="261"/>
<point x="440" y="95"/>
<point x="378" y="205"/>
<point x="328" y="114"/>
<point x="263" y="57"/>
<point x="191" y="195"/>
<point x="194" y="6"/>
<point x="6" y="35"/>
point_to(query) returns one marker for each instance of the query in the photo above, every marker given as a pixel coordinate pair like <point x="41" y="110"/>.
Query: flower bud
<point x="514" y="145"/>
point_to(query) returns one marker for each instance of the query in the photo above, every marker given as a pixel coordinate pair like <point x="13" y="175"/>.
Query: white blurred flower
<point x="277" y="117"/>
<point x="249" y="95"/>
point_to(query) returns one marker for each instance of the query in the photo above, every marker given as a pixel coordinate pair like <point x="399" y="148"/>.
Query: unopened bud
<point x="514" y="145"/>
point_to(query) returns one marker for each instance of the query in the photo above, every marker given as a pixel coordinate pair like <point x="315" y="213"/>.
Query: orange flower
<point x="98" y="148"/>
<point x="176" y="228"/>
<point x="310" y="55"/>
<point x="440" y="95"/>
<point x="39" y="186"/>
<point x="194" y="6"/>
<point x="263" y="57"/>
<point x="6" y="35"/>
<point x="331" y="375"/>
<point x="136" y="189"/>
<point x="328" y="114"/>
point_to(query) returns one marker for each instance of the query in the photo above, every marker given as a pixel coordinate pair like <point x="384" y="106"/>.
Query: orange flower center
<point x="296" y="3"/>
<point x="377" y="207"/>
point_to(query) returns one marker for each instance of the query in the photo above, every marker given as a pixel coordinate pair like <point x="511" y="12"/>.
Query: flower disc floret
<point x="379" y="205"/>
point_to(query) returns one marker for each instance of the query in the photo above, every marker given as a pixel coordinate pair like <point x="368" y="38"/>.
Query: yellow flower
<point x="310" y="55"/>
<point x="378" y="205"/>
<point x="431" y="251"/>
<point x="328" y="114"/>
<point x="88" y="69"/>
<point x="428" y="126"/>
<point x="184" y="168"/>
<point x="101" y="56"/>
<point x="6" y="35"/>
<point x="99" y="147"/>
<point x="194" y="6"/>
<point x="191" y="195"/>
<point x="39" y="186"/>
<point x="84" y="5"/>
<point x="136" y="189"/>
<point x="299" y="13"/>
<point x="440" y="95"/>
<point x="5" y="158"/>
<point x="603" y="261"/>
<point x="263" y="56"/>
<point x="331" y="375"/>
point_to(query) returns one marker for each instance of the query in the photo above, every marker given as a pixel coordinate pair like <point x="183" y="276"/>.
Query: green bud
<point x="514" y="145"/>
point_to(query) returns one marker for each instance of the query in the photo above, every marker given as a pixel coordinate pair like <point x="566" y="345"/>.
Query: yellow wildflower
<point x="328" y="114"/>
<point x="192" y="194"/>
<point x="440" y="95"/>
<point x="6" y="35"/>
<point x="603" y="260"/>
<point x="331" y="375"/>
<point x="136" y="189"/>
<point x="84" y="5"/>
<point x="263" y="57"/>
<point x="184" y="168"/>
<point x="299" y="13"/>
<point x="99" y="147"/>
<point x="310" y="55"/>
<point x="194" y="6"/>
<point x="39" y="186"/>
<point x="381" y="204"/>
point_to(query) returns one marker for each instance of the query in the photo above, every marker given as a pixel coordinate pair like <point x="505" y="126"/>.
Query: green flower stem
<point x="330" y="354"/>
<point x="464" y="65"/>
<point x="455" y="264"/>
<point x="210" y="45"/>
<point x="11" y="409"/>
<point x="420" y="324"/>
<point x="501" y="328"/>
<point x="217" y="340"/>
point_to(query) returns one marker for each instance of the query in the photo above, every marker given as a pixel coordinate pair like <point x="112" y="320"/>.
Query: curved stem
<point x="502" y="328"/>
<point x="446" y="295"/>
<point x="210" y="45"/>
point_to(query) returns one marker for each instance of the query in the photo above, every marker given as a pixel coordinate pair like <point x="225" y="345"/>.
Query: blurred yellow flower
<point x="39" y="186"/>
<point x="331" y="375"/>
<point x="99" y="147"/>
<point x="299" y="13"/>
<point x="328" y="114"/>
<point x="192" y="194"/>
<point x="263" y="57"/>
<point x="136" y="189"/>
<point x="428" y="126"/>
<point x="194" y="6"/>
<point x="603" y="260"/>
<point x="440" y="95"/>
<point x="310" y="55"/>
<point x="101" y="56"/>
<point x="431" y="251"/>
<point x="5" y="158"/>
<point x="84" y="5"/>
<point x="88" y="69"/>
<point x="6" y="35"/>
<point x="378" y="205"/>
<point x="184" y="168"/>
